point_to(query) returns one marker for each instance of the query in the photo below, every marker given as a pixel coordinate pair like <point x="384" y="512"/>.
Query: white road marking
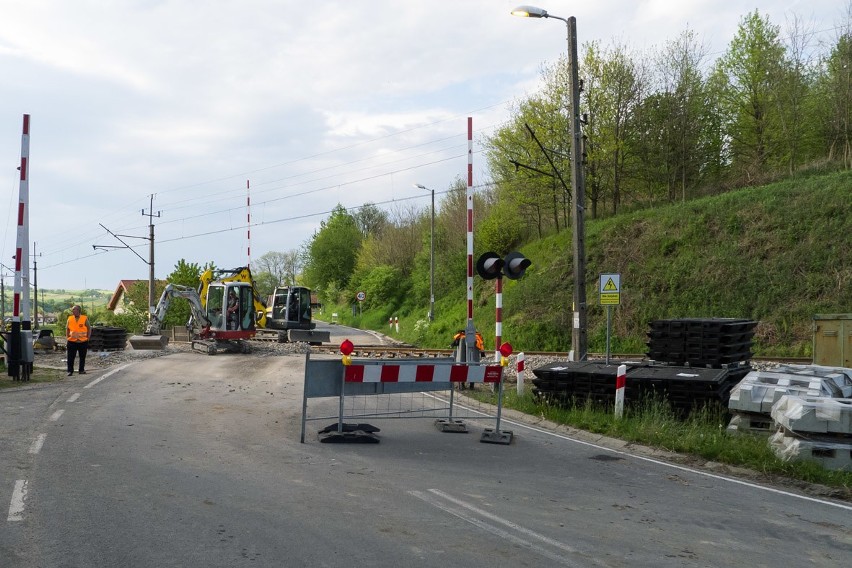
<point x="38" y="443"/>
<point x="16" y="508"/>
<point x="74" y="397"/>
<point x="510" y="524"/>
<point x="106" y="376"/>
<point x="497" y="531"/>
<point x="665" y="464"/>
<point x="56" y="415"/>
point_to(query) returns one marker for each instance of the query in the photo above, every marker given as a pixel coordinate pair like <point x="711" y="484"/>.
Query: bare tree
<point x="283" y="266"/>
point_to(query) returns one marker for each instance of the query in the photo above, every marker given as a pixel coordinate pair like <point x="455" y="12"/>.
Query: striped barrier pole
<point x="520" y="387"/>
<point x="498" y="316"/>
<point x="248" y="221"/>
<point x="620" y="384"/>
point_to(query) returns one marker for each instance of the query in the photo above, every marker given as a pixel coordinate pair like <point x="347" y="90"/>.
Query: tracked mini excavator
<point x="213" y="326"/>
<point x="289" y="312"/>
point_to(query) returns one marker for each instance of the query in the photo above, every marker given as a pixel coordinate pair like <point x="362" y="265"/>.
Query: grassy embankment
<point x="778" y="254"/>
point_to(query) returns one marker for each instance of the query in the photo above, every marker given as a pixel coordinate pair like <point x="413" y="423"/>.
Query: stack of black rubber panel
<point x="107" y="338"/>
<point x="702" y="342"/>
<point x="686" y="388"/>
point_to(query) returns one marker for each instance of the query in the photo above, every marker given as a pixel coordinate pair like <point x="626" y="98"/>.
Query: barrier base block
<point x="349" y="434"/>
<point x="456" y="426"/>
<point x="491" y="436"/>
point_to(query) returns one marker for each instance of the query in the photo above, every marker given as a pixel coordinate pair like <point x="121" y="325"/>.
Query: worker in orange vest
<point x="77" y="332"/>
<point x="480" y="344"/>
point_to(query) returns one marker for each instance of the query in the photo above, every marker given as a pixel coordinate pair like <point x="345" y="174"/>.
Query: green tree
<point x="674" y="121"/>
<point x="185" y="274"/>
<point x="265" y="283"/>
<point x="370" y="220"/>
<point x="332" y="251"/>
<point x="528" y="157"/>
<point x="749" y="72"/>
<point x="273" y="263"/>
<point x="615" y="85"/>
<point x="834" y="89"/>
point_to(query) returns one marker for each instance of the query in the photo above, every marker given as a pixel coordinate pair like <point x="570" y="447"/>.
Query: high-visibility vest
<point x="78" y="331"/>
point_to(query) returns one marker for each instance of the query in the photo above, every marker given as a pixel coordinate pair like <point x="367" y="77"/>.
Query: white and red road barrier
<point x="620" y="384"/>
<point x="427" y="373"/>
<point x="375" y="389"/>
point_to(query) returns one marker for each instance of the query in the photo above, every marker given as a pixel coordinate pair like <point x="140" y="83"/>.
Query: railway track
<point x="411" y="352"/>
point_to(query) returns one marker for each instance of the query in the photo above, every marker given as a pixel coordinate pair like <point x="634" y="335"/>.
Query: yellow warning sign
<point x="610" y="289"/>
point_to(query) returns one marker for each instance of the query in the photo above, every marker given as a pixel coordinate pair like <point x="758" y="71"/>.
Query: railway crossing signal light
<point x="513" y="266"/>
<point x="489" y="266"/>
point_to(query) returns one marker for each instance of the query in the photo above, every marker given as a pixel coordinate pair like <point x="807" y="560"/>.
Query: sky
<point x="210" y="115"/>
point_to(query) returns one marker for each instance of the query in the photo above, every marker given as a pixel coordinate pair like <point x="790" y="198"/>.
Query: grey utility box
<point x="833" y="340"/>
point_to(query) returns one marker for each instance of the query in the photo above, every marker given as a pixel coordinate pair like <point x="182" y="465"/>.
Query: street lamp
<point x="431" y="256"/>
<point x="579" y="338"/>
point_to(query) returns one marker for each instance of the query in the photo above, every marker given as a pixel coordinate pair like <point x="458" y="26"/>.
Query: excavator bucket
<point x="148" y="342"/>
<point x="309" y="336"/>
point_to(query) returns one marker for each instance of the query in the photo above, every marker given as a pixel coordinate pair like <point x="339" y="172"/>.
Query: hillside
<point x="778" y="254"/>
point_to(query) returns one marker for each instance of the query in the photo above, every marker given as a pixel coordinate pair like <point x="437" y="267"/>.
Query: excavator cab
<point x="230" y="307"/>
<point x="291" y="308"/>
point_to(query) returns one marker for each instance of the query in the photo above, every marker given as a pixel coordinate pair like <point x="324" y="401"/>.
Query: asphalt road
<point x="192" y="460"/>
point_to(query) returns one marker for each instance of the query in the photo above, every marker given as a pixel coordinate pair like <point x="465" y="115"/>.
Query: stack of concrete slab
<point x="807" y="409"/>
<point x="816" y="429"/>
<point x="814" y="415"/>
<point x="751" y="401"/>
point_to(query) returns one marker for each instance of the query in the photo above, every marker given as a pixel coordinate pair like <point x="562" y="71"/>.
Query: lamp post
<point x="579" y="338"/>
<point x="431" y="255"/>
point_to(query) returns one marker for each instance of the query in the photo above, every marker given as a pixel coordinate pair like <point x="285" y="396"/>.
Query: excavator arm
<point x="177" y="291"/>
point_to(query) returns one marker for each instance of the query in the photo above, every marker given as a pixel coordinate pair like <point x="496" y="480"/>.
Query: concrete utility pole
<point x="579" y="337"/>
<point x="150" y="261"/>
<point x="431" y="255"/>
<point x="35" y="286"/>
<point x="151" y="290"/>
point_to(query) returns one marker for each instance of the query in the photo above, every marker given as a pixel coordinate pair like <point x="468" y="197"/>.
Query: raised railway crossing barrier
<point x="379" y="389"/>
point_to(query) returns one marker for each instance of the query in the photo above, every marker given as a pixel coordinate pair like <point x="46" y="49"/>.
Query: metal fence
<point x="398" y="389"/>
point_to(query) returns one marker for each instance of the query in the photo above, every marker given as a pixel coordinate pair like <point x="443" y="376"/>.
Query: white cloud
<point x="341" y="101"/>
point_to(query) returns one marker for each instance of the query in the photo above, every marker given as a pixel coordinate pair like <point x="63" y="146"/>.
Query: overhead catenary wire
<point x="85" y="237"/>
